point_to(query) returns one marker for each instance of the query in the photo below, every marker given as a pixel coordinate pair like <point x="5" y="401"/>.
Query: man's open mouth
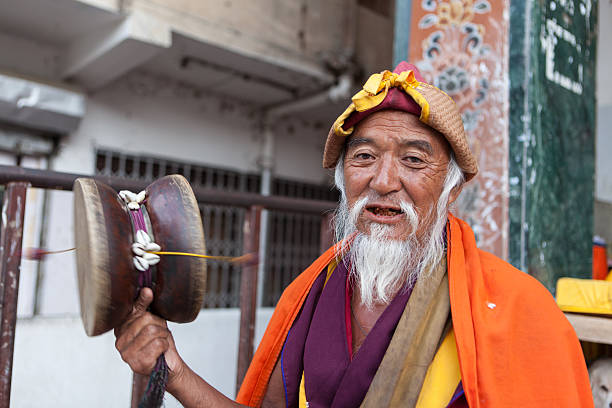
<point x="384" y="211"/>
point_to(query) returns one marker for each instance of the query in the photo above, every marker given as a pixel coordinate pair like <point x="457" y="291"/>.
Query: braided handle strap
<point x="153" y="396"/>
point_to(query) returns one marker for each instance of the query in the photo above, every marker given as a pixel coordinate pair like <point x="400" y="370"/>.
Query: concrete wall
<point x="603" y="143"/>
<point x="30" y="58"/>
<point x="373" y="51"/>
<point x="56" y="364"/>
<point x="151" y="115"/>
<point x="146" y="112"/>
<point x="603" y="185"/>
<point x="292" y="28"/>
<point x="603" y="148"/>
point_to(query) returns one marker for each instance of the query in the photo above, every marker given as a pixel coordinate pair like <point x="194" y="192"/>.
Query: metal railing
<point x="223" y="223"/>
<point x="17" y="180"/>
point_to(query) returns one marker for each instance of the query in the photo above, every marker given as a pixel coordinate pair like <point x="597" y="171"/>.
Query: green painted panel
<point x="552" y="134"/>
<point x="401" y="31"/>
<point x="518" y="73"/>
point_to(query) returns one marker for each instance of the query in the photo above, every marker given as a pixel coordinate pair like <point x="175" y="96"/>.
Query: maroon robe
<point x="319" y="345"/>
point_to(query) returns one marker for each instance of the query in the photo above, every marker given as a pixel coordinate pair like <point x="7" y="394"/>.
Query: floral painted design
<point x="452" y="13"/>
<point x="461" y="47"/>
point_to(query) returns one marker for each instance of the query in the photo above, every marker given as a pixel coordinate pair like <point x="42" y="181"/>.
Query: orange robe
<point x="515" y="347"/>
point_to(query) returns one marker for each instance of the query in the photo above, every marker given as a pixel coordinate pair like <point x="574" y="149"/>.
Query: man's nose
<point x="386" y="177"/>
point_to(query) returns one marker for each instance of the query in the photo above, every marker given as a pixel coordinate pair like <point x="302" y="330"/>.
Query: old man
<point x="404" y="310"/>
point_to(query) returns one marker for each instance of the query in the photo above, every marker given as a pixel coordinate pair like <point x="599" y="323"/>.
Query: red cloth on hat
<point x="395" y="99"/>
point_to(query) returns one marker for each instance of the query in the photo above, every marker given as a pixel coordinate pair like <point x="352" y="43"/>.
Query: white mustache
<point x="407" y="208"/>
<point x="382" y="265"/>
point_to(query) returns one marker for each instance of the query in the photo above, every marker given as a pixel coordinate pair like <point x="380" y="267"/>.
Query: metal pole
<point x="63" y="181"/>
<point x="248" y="294"/>
<point x="11" y="234"/>
<point x="267" y="164"/>
<point x="401" y="31"/>
<point x="327" y="232"/>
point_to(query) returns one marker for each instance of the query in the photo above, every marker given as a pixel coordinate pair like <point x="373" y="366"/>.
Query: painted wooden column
<point x="462" y="48"/>
<point x="522" y="73"/>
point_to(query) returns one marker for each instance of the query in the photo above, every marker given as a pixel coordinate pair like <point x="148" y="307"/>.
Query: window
<point x="293" y="238"/>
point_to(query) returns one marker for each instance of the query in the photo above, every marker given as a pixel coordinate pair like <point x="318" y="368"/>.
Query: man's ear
<point x="454" y="194"/>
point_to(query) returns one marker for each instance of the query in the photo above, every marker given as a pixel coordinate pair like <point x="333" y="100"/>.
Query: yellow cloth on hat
<point x="374" y="92"/>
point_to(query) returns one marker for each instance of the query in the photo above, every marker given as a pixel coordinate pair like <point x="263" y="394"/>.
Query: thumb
<point x="145" y="297"/>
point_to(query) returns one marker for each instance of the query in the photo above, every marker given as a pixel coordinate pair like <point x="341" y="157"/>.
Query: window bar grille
<point x="225" y="278"/>
<point x="121" y="170"/>
<point x="293" y="239"/>
<point x="108" y="163"/>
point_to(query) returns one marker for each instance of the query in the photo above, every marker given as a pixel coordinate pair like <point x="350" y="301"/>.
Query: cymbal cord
<point x="39" y="253"/>
<point x="233" y="259"/>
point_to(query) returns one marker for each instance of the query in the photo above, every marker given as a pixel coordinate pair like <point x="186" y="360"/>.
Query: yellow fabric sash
<point x="374" y="92"/>
<point x="377" y="86"/>
<point x="442" y="376"/>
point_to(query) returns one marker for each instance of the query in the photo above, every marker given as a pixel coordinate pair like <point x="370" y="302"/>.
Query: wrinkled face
<point x="392" y="156"/>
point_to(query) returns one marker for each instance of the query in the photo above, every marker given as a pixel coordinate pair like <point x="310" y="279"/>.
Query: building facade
<point x="141" y="89"/>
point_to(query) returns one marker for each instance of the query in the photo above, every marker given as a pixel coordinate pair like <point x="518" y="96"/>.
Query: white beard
<point x="381" y="266"/>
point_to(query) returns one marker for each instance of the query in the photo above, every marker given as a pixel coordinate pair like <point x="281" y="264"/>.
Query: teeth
<point x="387" y="212"/>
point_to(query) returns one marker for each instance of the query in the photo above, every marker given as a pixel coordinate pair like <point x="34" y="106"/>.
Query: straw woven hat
<point x="403" y="89"/>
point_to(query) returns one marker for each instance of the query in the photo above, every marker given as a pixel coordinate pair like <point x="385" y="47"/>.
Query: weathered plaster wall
<point x="374" y="40"/>
<point x="602" y="217"/>
<point x="72" y="370"/>
<point x="603" y="183"/>
<point x="297" y="34"/>
<point x="151" y="115"/>
<point x="27" y="57"/>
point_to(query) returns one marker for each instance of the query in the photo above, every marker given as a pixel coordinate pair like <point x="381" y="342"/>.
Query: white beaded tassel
<point x="143" y="259"/>
<point x="141" y="248"/>
<point x="133" y="200"/>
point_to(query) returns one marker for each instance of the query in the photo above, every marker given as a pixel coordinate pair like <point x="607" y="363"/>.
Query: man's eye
<point x="363" y="156"/>
<point x="413" y="160"/>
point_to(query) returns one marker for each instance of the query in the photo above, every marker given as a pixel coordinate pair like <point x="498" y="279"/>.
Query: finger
<point x="139" y="309"/>
<point x="145" y="335"/>
<point x="144" y="360"/>
<point x="145" y="297"/>
<point x="126" y="333"/>
<point x="143" y="353"/>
